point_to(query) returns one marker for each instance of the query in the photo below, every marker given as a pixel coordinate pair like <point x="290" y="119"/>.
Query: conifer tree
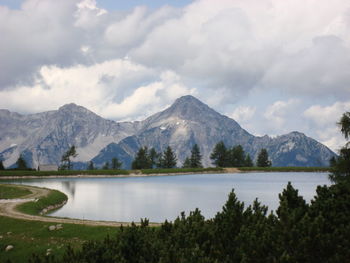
<point x="2" y="167"/>
<point x="236" y="156"/>
<point x="341" y="165"/>
<point x="187" y="163"/>
<point x="115" y="164"/>
<point x="219" y="155"/>
<point x="142" y="159"/>
<point x="21" y="163"/>
<point x="263" y="159"/>
<point x="196" y="157"/>
<point x="105" y="166"/>
<point x="168" y="158"/>
<point x="91" y="166"/>
<point x="154" y="157"/>
<point x="248" y="161"/>
<point x="66" y="158"/>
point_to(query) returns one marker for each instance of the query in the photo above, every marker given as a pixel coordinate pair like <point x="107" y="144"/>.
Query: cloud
<point x="243" y="113"/>
<point x="42" y="32"/>
<point x="278" y="113"/>
<point x="128" y="64"/>
<point x="323" y="120"/>
<point x="107" y="88"/>
<point x="324" y="115"/>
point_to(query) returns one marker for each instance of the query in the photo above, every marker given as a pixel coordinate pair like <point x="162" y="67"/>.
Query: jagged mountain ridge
<point x="43" y="137"/>
<point x="189" y="121"/>
<point x="48" y="135"/>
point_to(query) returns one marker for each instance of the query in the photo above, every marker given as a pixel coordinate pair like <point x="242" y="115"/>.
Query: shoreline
<point x="8" y="209"/>
<point x="8" y="206"/>
<point x="131" y="175"/>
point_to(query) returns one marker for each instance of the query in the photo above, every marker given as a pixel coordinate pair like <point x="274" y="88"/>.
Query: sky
<point x="274" y="66"/>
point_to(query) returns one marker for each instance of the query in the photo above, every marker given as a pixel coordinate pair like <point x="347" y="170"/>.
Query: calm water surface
<point x="165" y="197"/>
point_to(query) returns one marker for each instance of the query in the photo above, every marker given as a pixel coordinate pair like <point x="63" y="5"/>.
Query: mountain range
<point x="42" y="138"/>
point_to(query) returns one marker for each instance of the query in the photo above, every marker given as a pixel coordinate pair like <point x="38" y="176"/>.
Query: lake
<point x="165" y="197"/>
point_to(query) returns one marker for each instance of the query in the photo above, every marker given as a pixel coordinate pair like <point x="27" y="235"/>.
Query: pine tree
<point x="116" y="164"/>
<point x="154" y="157"/>
<point x="196" y="157"/>
<point x="341" y="168"/>
<point x="142" y="159"/>
<point x="168" y="158"/>
<point x="21" y="163"/>
<point x="2" y="167"/>
<point x="187" y="163"/>
<point x="219" y="155"/>
<point x="236" y="156"/>
<point x="248" y="161"/>
<point x="105" y="166"/>
<point x="91" y="166"/>
<point x="66" y="158"/>
<point x="263" y="159"/>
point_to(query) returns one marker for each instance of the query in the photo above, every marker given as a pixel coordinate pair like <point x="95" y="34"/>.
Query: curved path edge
<point x="8" y="209"/>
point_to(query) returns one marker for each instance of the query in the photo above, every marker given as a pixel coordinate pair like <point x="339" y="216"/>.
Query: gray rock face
<point x="188" y="121"/>
<point x="44" y="137"/>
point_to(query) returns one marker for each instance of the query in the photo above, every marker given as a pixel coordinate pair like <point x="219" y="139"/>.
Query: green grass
<point x="10" y="192"/>
<point x="285" y="169"/>
<point x="181" y="170"/>
<point x="63" y="172"/>
<point x="30" y="237"/>
<point x="34" y="208"/>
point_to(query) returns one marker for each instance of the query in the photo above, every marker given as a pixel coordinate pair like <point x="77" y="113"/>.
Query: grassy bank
<point x="159" y="171"/>
<point x="30" y="237"/>
<point x="107" y="172"/>
<point x="63" y="172"/>
<point x="284" y="169"/>
<point x="181" y="170"/>
<point x="35" y="207"/>
<point x="10" y="192"/>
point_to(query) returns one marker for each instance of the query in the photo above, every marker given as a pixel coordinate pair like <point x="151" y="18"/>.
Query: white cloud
<point x="325" y="115"/>
<point x="323" y="120"/>
<point x="57" y="52"/>
<point x="243" y="113"/>
<point x="279" y="112"/>
<point x="99" y="88"/>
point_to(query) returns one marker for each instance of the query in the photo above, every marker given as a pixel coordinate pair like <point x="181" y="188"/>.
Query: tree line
<point x="145" y="158"/>
<point x="236" y="157"/>
<point x="296" y="232"/>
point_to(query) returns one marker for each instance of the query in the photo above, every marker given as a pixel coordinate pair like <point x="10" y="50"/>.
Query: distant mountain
<point x="48" y="135"/>
<point x="189" y="121"/>
<point x="44" y="137"/>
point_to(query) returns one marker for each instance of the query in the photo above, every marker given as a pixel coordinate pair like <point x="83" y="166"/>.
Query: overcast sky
<point x="274" y="66"/>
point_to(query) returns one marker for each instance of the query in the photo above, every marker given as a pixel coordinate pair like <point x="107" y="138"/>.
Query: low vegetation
<point x="35" y="207"/>
<point x="297" y="232"/>
<point x="181" y="170"/>
<point x="10" y="192"/>
<point x="63" y="172"/>
<point x="34" y="237"/>
<point x="284" y="169"/>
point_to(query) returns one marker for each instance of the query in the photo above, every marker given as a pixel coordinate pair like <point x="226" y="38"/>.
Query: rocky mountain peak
<point x="72" y="107"/>
<point x="188" y="106"/>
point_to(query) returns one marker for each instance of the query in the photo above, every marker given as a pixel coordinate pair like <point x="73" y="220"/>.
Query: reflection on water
<point x="69" y="186"/>
<point x="160" y="198"/>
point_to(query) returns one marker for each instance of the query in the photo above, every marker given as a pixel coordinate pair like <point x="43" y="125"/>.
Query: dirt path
<point x="8" y="209"/>
<point x="232" y="170"/>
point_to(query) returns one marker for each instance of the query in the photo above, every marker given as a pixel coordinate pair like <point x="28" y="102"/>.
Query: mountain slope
<point x="48" y="135"/>
<point x="44" y="137"/>
<point x="189" y="121"/>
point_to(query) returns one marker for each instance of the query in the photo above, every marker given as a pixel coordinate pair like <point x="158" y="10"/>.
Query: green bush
<point x="35" y="207"/>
